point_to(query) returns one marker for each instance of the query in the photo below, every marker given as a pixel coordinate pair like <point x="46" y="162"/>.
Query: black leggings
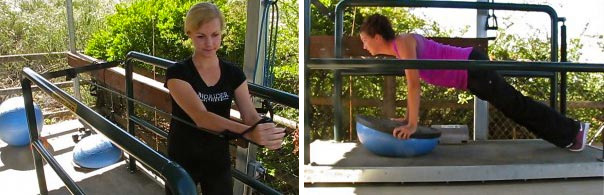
<point x="206" y="158"/>
<point x="538" y="118"/>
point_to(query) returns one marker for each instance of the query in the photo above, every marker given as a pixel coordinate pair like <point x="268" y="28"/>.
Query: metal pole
<point x="563" y="58"/>
<point x="337" y="105"/>
<point x="33" y="134"/>
<point x="337" y="77"/>
<point x="307" y="107"/>
<point x="70" y="26"/>
<point x="481" y="107"/>
<point x="254" y="71"/>
<point x="252" y="41"/>
<point x="393" y="66"/>
<point x="72" y="47"/>
<point x="130" y="112"/>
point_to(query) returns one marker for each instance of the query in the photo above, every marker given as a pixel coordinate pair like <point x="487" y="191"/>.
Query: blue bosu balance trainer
<point x="95" y="151"/>
<point x="376" y="135"/>
<point x="13" y="122"/>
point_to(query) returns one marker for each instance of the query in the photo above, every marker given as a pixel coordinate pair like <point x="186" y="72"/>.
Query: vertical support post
<point x="76" y="87"/>
<point x="130" y="111"/>
<point x="33" y="134"/>
<point x="306" y="95"/>
<point x="350" y="109"/>
<point x="337" y="106"/>
<point x="72" y="47"/>
<point x="253" y="67"/>
<point x="553" y="91"/>
<point x="563" y="58"/>
<point x="554" y="58"/>
<point x="481" y="107"/>
<point x="254" y="71"/>
<point x="389" y="107"/>
<point x="70" y="26"/>
<point x="337" y="76"/>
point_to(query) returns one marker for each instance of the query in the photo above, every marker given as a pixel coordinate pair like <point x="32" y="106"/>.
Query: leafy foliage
<point x="153" y="27"/>
<point x="32" y="26"/>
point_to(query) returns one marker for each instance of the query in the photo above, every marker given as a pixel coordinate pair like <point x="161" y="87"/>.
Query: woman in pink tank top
<point x="379" y="38"/>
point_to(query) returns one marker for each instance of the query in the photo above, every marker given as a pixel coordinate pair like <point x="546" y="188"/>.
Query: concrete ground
<point x="485" y="167"/>
<point x="589" y="186"/>
<point x="18" y="176"/>
<point x="475" y="153"/>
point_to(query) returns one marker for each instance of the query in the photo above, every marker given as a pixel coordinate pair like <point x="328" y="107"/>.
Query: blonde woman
<point x="202" y="88"/>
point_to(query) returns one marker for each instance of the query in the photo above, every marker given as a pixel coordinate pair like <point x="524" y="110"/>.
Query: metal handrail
<point x="274" y="95"/>
<point x="391" y="65"/>
<point x="261" y="91"/>
<point x="176" y="177"/>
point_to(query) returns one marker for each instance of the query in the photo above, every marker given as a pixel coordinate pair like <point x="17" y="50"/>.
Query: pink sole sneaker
<point x="579" y="142"/>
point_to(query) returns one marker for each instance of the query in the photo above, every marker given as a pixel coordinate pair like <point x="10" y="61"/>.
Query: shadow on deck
<point x="18" y="176"/>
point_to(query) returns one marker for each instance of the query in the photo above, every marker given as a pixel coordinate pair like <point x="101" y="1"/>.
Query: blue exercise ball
<point x="13" y="122"/>
<point x="96" y="151"/>
<point x="376" y="136"/>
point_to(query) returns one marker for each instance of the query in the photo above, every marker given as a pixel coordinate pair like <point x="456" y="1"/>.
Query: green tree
<point x="31" y="26"/>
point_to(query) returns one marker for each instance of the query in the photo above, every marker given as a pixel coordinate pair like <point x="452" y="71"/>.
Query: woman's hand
<point x="405" y="131"/>
<point x="266" y="134"/>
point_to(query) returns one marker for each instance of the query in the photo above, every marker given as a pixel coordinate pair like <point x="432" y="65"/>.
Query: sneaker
<point x="579" y="142"/>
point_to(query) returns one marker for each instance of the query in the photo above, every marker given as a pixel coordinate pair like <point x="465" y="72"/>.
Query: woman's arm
<point x="406" y="45"/>
<point x="245" y="105"/>
<point x="185" y="97"/>
<point x="273" y="135"/>
<point x="413" y="100"/>
<point x="263" y="134"/>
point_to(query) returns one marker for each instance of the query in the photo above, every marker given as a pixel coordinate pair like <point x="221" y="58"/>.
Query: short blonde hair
<point x="200" y="14"/>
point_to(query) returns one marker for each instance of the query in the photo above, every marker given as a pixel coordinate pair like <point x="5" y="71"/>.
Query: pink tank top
<point x="429" y="49"/>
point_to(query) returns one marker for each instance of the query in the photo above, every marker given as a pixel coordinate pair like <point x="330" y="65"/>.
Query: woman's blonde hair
<point x="200" y="14"/>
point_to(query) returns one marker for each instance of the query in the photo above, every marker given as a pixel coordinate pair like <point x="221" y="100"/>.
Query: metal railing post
<point x="337" y="76"/>
<point x="130" y="111"/>
<point x="307" y="93"/>
<point x="563" y="58"/>
<point x="33" y="134"/>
